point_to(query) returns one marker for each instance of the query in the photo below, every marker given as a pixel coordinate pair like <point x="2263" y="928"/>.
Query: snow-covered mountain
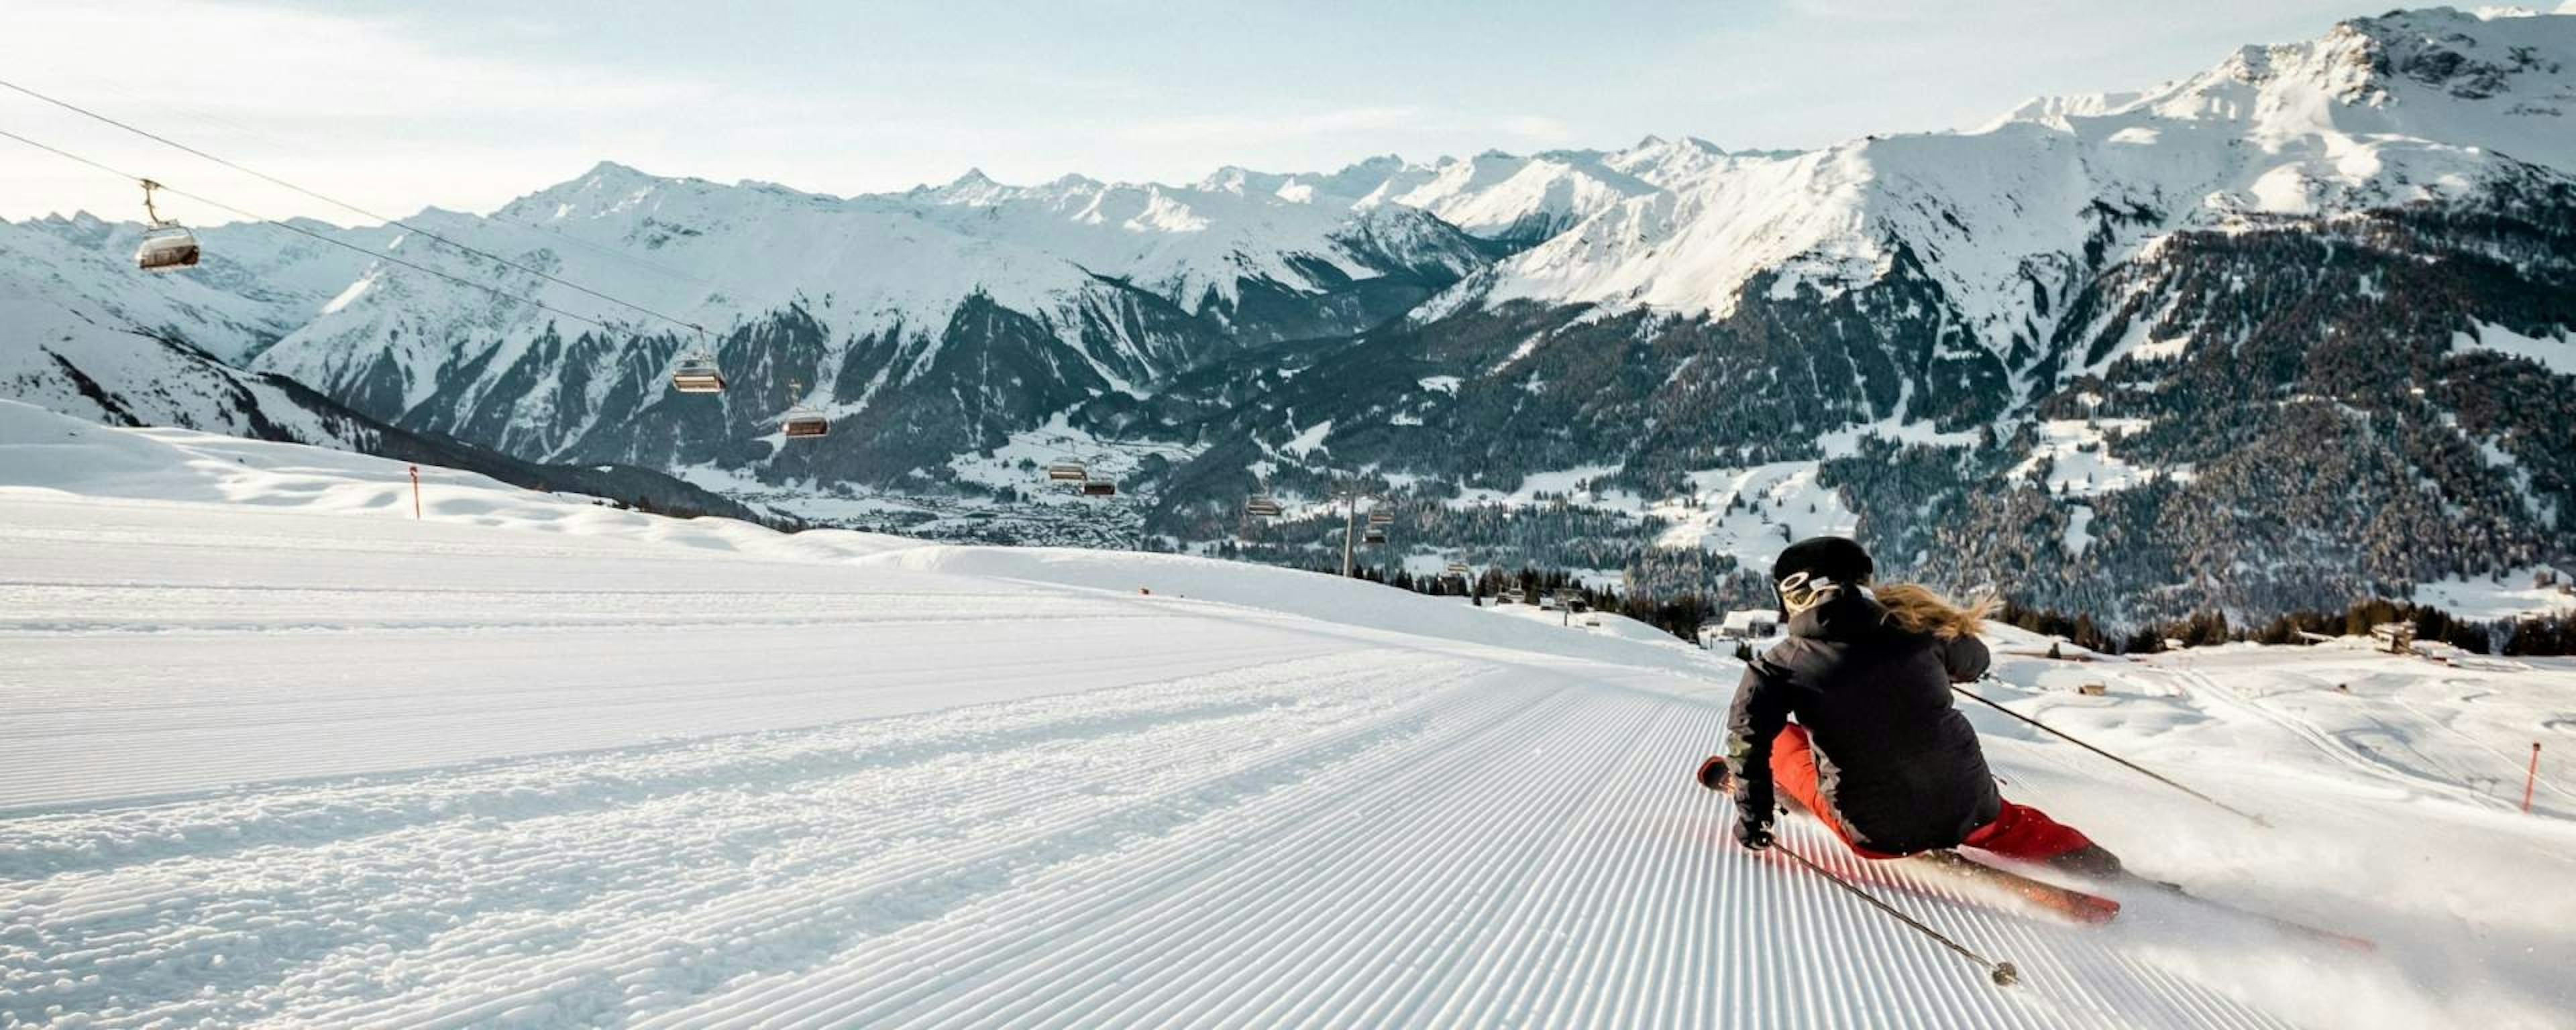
<point x="1004" y="304"/>
<point x="84" y="334"/>
<point x="1517" y="199"/>
<point x="997" y="304"/>
<point x="1509" y="197"/>
<point x="257" y="285"/>
<point x="2494" y="80"/>
<point x="2414" y="106"/>
<point x="2360" y="243"/>
<point x="1126" y="284"/>
<point x="2290" y="331"/>
<point x="88" y="335"/>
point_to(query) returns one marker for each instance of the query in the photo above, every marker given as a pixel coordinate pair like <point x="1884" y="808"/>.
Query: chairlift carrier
<point x="697" y="371"/>
<point x="803" y="421"/>
<point x="166" y="245"/>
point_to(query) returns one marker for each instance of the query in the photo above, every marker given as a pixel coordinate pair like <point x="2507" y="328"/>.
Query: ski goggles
<point x="1801" y="591"/>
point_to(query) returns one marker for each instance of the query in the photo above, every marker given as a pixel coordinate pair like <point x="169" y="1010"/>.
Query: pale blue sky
<point x="466" y="103"/>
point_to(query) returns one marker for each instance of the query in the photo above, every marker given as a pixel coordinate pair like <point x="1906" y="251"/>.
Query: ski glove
<point x="1754" y="799"/>
<point x="1753" y="806"/>
<point x="1754" y="834"/>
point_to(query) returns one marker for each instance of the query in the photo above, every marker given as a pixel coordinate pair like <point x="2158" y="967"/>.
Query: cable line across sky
<point x="327" y="199"/>
<point x="343" y="244"/>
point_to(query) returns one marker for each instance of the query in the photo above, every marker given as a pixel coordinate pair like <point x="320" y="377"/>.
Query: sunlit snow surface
<point x="2556" y="354"/>
<point x="277" y="752"/>
<point x="2078" y="463"/>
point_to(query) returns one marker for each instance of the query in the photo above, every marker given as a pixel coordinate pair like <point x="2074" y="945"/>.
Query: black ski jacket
<point x="1898" y="765"/>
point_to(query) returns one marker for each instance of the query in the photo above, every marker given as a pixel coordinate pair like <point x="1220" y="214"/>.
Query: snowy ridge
<point x="503" y="766"/>
<point x="1521" y="198"/>
<point x="258" y="283"/>
<point x="1529" y="198"/>
<point x="135" y="350"/>
<point x="2414" y="106"/>
<point x="2499" y="80"/>
<point x="722" y="256"/>
<point x="1081" y="286"/>
<point x="712" y="253"/>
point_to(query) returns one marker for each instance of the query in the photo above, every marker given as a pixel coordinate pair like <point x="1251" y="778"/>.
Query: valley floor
<point x="279" y="753"/>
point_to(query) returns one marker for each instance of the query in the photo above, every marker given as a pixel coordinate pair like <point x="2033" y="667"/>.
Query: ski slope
<point x="281" y="754"/>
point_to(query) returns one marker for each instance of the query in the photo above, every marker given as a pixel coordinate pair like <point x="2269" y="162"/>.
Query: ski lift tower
<point x="1350" y="495"/>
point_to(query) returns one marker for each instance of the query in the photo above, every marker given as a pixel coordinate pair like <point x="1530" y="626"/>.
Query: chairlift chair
<point x="1374" y="536"/>
<point x="1099" y="488"/>
<point x="1067" y="472"/>
<point x="697" y="374"/>
<point x="697" y="371"/>
<point x="166" y="244"/>
<point x="1261" y="506"/>
<point x="804" y="423"/>
<point x="1381" y="518"/>
<point x="1458" y="568"/>
<point x="164" y="249"/>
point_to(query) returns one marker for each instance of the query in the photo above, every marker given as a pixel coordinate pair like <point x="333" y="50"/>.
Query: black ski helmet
<point x="1840" y="559"/>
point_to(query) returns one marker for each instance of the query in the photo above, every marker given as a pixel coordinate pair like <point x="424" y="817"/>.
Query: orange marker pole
<point x="415" y="492"/>
<point x="2530" y="778"/>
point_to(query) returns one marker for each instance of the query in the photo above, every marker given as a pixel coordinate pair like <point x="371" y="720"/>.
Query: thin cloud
<point x="1533" y="128"/>
<point x="1297" y="126"/>
<point x="351" y="106"/>
<point x="239" y="61"/>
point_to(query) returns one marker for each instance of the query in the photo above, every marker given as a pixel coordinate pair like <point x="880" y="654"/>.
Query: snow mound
<point x="1310" y="595"/>
<point x="47" y="453"/>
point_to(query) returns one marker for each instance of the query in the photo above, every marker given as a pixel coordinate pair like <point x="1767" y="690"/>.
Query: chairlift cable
<point x="300" y="230"/>
<point x="305" y="146"/>
<point x="263" y="176"/>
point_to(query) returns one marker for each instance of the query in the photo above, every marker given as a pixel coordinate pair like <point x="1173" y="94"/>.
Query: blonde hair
<point x="1920" y="609"/>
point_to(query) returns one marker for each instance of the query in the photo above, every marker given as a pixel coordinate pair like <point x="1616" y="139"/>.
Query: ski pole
<point x="2531" y="778"/>
<point x="2132" y="766"/>
<point x="2003" y="973"/>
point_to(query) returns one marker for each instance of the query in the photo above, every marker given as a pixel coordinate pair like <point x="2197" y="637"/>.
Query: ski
<point x="2080" y="906"/>
<point x="2292" y="927"/>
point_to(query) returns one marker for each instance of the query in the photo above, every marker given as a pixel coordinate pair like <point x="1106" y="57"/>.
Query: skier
<point x="1878" y="752"/>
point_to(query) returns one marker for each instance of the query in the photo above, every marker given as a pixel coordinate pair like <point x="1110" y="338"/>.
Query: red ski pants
<point x="2020" y="831"/>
